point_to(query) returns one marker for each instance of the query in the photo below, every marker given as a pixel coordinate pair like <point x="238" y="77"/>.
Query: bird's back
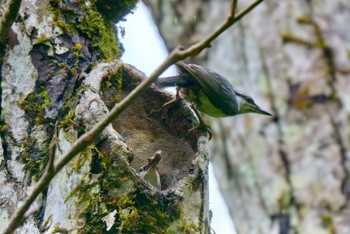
<point x="212" y="93"/>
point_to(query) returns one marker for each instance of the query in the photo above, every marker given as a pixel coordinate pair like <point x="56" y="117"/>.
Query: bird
<point x="208" y="92"/>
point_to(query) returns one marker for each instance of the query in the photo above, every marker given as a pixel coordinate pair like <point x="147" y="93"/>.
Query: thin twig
<point x="197" y="48"/>
<point x="233" y="9"/>
<point x="86" y="139"/>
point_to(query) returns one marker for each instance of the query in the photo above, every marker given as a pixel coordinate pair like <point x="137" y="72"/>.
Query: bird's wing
<point x="217" y="88"/>
<point x="180" y="81"/>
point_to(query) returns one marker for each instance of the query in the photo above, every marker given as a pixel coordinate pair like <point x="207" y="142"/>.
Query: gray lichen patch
<point x="18" y="82"/>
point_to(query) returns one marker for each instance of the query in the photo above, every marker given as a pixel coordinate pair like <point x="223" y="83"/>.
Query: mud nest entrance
<point x="146" y="127"/>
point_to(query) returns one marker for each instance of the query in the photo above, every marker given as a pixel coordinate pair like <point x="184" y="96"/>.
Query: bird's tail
<point x="172" y="81"/>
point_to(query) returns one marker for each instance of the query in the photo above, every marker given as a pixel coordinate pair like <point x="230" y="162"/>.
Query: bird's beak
<point x="258" y="110"/>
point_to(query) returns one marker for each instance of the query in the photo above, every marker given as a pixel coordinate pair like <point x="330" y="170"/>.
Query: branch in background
<point x="197" y="48"/>
<point x="286" y="38"/>
<point x="233" y="8"/>
<point x="87" y="138"/>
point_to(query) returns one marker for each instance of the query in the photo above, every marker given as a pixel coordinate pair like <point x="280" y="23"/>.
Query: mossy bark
<point x="60" y="76"/>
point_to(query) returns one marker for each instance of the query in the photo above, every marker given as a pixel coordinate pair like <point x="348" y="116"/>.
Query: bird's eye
<point x="250" y="100"/>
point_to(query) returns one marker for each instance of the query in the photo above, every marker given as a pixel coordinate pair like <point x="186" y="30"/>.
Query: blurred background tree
<point x="290" y="173"/>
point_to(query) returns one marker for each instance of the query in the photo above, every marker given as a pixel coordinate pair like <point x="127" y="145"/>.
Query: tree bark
<point x="290" y="173"/>
<point x="60" y="76"/>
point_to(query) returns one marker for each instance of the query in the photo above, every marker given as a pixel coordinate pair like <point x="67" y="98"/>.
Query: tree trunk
<point x="289" y="173"/>
<point x="61" y="75"/>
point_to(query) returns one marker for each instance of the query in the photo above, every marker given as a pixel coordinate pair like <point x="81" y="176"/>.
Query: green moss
<point x="111" y="86"/>
<point x="101" y="33"/>
<point x="43" y="39"/>
<point x="35" y="104"/>
<point x="67" y="113"/>
<point x="106" y="189"/>
<point x="47" y="222"/>
<point x="305" y="20"/>
<point x="58" y="229"/>
<point x="68" y="120"/>
<point x="59" y="21"/>
<point x="58" y="9"/>
<point x="285" y="200"/>
<point x="148" y="218"/>
<point x="4" y="128"/>
<point x="35" y="159"/>
<point x="189" y="226"/>
<point x="77" y="49"/>
<point x="327" y="222"/>
<point x="86" y="19"/>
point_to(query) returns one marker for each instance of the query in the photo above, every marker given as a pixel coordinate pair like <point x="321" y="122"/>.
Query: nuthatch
<point x="209" y="92"/>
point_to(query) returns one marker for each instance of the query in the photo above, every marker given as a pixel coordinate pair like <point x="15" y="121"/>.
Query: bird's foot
<point x="171" y="102"/>
<point x="202" y="127"/>
<point x="174" y="101"/>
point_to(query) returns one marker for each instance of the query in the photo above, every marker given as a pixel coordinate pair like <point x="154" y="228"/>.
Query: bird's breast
<point x="202" y="102"/>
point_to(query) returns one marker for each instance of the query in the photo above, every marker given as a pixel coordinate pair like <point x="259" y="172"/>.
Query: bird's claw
<point x="204" y="127"/>
<point x="174" y="101"/>
<point x="171" y="102"/>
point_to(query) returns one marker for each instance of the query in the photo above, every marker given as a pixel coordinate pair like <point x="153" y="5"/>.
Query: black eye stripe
<point x="246" y="97"/>
<point x="249" y="99"/>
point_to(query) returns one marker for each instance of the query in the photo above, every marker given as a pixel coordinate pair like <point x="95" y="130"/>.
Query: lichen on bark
<point x="55" y="88"/>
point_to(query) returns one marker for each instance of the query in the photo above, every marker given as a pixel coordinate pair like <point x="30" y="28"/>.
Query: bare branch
<point x="233" y="9"/>
<point x="86" y="139"/>
<point x="197" y="48"/>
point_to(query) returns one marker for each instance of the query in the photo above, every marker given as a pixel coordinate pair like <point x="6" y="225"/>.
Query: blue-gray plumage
<point x="210" y="92"/>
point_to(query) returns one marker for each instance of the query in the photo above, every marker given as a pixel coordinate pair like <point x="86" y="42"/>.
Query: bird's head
<point x="247" y="105"/>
